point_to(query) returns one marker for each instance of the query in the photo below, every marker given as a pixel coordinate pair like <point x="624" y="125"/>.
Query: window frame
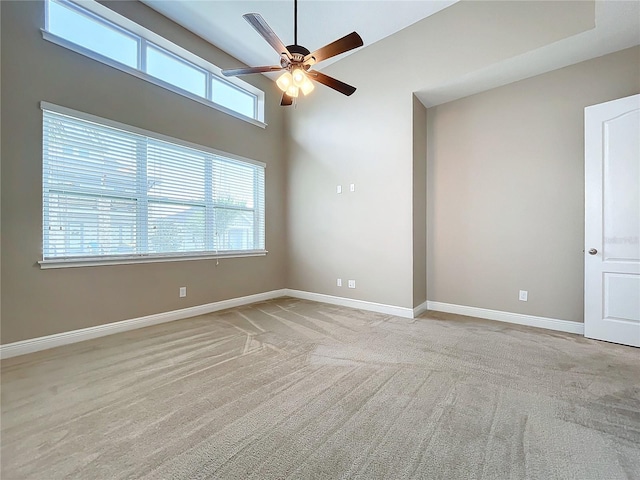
<point x="101" y="14"/>
<point x="88" y="260"/>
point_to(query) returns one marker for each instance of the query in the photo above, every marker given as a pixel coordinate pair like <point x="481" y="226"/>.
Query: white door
<point x="612" y="221"/>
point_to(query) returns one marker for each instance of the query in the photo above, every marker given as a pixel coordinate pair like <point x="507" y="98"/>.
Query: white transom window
<point x="91" y="29"/>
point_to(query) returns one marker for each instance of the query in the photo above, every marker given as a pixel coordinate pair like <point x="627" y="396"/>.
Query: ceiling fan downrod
<point x="298" y="52"/>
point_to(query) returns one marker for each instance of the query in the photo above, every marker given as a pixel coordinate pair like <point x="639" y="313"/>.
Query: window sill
<point x="130" y="260"/>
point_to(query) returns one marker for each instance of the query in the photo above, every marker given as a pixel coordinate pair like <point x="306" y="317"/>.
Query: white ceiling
<point x="617" y="26"/>
<point x="319" y="22"/>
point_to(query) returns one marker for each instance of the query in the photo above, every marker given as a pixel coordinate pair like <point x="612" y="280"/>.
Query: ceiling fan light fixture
<point x="285" y="81"/>
<point x="307" y="86"/>
<point x="292" y="91"/>
<point x="299" y="77"/>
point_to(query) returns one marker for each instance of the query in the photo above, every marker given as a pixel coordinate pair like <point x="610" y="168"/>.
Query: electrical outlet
<point x="183" y="292"/>
<point x="339" y="282"/>
<point x="352" y="284"/>
<point x="523" y="295"/>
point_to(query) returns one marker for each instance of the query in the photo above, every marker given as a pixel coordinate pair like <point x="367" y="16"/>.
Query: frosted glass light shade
<point x="307" y="86"/>
<point x="292" y="91"/>
<point x="298" y="77"/>
<point x="285" y="81"/>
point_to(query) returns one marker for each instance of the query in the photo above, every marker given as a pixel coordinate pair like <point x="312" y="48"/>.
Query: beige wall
<point x="419" y="203"/>
<point x="368" y="138"/>
<point x="506" y="189"/>
<point x="365" y="235"/>
<point x="40" y="302"/>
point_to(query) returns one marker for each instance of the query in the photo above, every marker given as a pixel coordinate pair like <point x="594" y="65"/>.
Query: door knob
<point x="592" y="251"/>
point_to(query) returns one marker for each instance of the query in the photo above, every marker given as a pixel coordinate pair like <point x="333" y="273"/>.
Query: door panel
<point x="621" y="162"/>
<point x="621" y="301"/>
<point x="612" y="221"/>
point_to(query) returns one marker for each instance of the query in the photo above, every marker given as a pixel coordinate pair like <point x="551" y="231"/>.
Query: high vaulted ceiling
<point x="319" y="22"/>
<point x="615" y="25"/>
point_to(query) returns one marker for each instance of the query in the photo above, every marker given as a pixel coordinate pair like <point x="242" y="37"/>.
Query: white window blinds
<point x="109" y="192"/>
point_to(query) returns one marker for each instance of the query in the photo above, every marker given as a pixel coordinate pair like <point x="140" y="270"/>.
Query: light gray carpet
<point x="296" y="389"/>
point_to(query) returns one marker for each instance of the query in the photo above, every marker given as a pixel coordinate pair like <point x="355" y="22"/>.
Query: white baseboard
<point x="518" y="318"/>
<point x="50" y="341"/>
<point x="351" y="303"/>
<point x="420" y="309"/>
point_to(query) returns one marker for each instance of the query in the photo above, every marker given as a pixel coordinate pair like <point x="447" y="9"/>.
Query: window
<point x="98" y="37"/>
<point x="231" y="96"/>
<point x="175" y="71"/>
<point x="98" y="32"/>
<point x="111" y="191"/>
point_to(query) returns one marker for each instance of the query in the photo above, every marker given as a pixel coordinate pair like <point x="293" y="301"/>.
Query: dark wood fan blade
<point x="265" y="31"/>
<point x="234" y="72"/>
<point x="286" y="100"/>
<point x="331" y="82"/>
<point x="344" y="44"/>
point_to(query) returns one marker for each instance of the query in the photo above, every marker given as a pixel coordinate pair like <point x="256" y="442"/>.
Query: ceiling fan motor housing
<point x="298" y="52"/>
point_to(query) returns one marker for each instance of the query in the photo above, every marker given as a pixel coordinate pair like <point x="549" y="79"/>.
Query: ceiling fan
<point x="297" y="61"/>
